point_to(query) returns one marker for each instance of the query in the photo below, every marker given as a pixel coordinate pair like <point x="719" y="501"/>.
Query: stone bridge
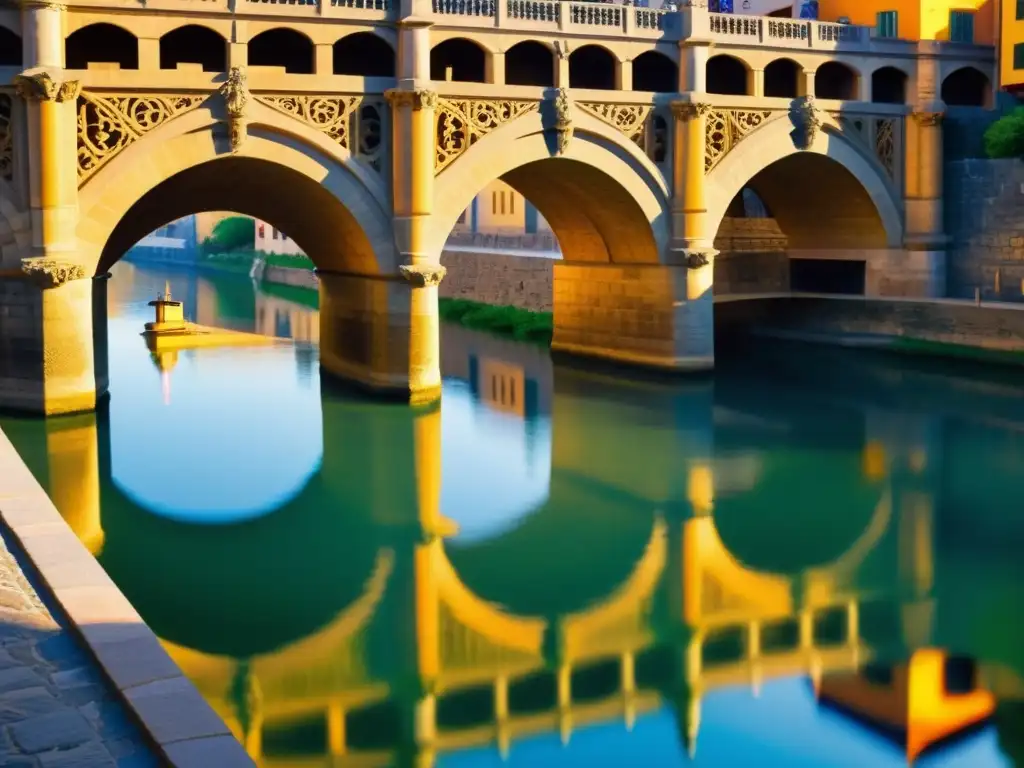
<point x="363" y="129"/>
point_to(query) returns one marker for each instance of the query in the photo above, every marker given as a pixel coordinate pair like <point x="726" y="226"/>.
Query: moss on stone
<point x="520" y="324"/>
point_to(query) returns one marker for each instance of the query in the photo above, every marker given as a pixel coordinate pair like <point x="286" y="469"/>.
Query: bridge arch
<point x="363" y="54"/>
<point x="194" y="44"/>
<point x="101" y="42"/>
<point x="837" y="80"/>
<point x="469" y="60"/>
<point x="604" y="199"/>
<point x="889" y="85"/>
<point x="727" y="75"/>
<point x="966" y="87"/>
<point x="593" y="66"/>
<point x="782" y="78"/>
<point x="332" y="205"/>
<point x="530" y="62"/>
<point x="857" y="176"/>
<point x="283" y="47"/>
<point x="655" y="71"/>
<point x="10" y="47"/>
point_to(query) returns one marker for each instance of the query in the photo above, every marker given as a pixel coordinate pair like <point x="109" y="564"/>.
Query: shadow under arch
<point x="604" y="199"/>
<point x="869" y="214"/>
<point x="307" y="185"/>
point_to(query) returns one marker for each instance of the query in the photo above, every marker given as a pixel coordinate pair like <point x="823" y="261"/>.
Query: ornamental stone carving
<point x="423" y="275"/>
<point x="417" y="99"/>
<point x="806" y="119"/>
<point x="40" y="86"/>
<point x="50" y="273"/>
<point x="236" y="99"/>
<point x="563" y="121"/>
<point x="695" y="259"/>
<point x="6" y="138"/>
<point x="686" y="111"/>
<point x="928" y="119"/>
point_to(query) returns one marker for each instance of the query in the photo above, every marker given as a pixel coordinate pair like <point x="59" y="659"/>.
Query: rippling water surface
<point x="812" y="559"/>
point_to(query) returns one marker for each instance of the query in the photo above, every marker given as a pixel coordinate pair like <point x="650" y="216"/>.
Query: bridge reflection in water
<point x="674" y="556"/>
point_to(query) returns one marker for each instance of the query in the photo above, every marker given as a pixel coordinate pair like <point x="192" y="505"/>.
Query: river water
<point x="810" y="559"/>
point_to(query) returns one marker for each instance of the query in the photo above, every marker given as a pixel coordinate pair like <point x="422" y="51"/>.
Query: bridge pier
<point x="925" y="239"/>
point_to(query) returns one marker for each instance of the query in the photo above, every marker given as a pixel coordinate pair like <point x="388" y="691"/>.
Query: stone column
<point x="42" y="26"/>
<point x="925" y="239"/>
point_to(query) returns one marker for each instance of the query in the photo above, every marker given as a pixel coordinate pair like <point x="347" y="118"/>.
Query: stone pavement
<point x="56" y="710"/>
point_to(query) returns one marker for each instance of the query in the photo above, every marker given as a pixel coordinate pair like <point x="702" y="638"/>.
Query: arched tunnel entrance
<point x="782" y="232"/>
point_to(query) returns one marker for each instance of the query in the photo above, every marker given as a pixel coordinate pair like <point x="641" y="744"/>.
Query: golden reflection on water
<point x="689" y="618"/>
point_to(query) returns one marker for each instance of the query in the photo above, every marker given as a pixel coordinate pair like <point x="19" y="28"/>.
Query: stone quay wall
<point x="985" y="222"/>
<point x="946" y="321"/>
<point x="299" y="278"/>
<point x="499" y="278"/>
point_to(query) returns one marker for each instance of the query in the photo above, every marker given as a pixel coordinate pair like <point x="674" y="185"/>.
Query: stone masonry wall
<point x="950" y="322"/>
<point x="499" y="278"/>
<point x="985" y="223"/>
<point x="21" y="344"/>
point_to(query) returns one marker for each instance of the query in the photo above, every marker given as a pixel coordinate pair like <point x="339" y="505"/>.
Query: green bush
<point x="1005" y="137"/>
<point x="521" y="324"/>
<point x="233" y="233"/>
<point x="288" y="260"/>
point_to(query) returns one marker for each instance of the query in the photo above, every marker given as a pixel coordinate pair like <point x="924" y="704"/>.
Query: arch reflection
<point x="357" y="614"/>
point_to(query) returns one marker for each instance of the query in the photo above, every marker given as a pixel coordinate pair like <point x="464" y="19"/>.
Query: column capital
<point x="51" y="273"/>
<point x="691" y="258"/>
<point x="40" y="85"/>
<point x="418" y="99"/>
<point x="927" y="119"/>
<point x="423" y="275"/>
<point x="689" y="110"/>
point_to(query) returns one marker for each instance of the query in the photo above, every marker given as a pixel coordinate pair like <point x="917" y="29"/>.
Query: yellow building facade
<point x="966" y="21"/>
<point x="1011" y="46"/>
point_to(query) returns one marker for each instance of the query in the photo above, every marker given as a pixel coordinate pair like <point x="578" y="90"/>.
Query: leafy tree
<point x="233" y="233"/>
<point x="1005" y="137"/>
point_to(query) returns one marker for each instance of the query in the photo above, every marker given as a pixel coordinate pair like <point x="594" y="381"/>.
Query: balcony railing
<point x="786" y="33"/>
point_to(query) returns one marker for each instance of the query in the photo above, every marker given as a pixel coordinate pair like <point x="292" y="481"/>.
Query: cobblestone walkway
<point x="56" y="711"/>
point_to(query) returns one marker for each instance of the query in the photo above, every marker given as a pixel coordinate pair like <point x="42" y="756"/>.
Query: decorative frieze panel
<point x="107" y="124"/>
<point x="728" y="127"/>
<point x="631" y="119"/>
<point x="354" y="122"/>
<point x="463" y="122"/>
<point x="885" y="145"/>
<point x="6" y="138"/>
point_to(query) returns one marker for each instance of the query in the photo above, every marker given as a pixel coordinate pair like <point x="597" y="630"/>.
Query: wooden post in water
<point x="998" y="282"/>
<point x="977" y="295"/>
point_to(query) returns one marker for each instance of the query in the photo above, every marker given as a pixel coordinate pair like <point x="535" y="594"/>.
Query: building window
<point x="512" y="203"/>
<point x="494" y="202"/>
<point x="961" y="27"/>
<point x="1020" y="10"/>
<point x="1018" y="56"/>
<point x="887" y="24"/>
<point x="262" y="230"/>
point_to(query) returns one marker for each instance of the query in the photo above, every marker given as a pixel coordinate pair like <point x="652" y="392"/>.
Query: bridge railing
<point x="787" y="33"/>
<point x="565" y="15"/>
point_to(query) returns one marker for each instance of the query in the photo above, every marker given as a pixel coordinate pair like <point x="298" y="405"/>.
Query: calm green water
<point x="559" y="567"/>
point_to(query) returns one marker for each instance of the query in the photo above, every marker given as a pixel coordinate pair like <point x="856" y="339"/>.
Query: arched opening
<point x="833" y="80"/>
<point x="727" y="75"/>
<point x="101" y="44"/>
<point x="654" y="71"/>
<point x="364" y="54"/>
<point x="283" y="48"/>
<point x="530" y="63"/>
<point x="194" y="44"/>
<point x="966" y="87"/>
<point x="777" y="235"/>
<point x="782" y="79"/>
<point x="10" y="48"/>
<point x="889" y="86"/>
<point x="592" y="66"/>
<point x="459" y="60"/>
<point x="309" y="212"/>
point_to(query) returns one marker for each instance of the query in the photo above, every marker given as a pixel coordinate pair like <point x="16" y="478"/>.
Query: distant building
<point x="500" y="210"/>
<point x="269" y="239"/>
<point x="1011" y="47"/>
<point x="958" y="21"/>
